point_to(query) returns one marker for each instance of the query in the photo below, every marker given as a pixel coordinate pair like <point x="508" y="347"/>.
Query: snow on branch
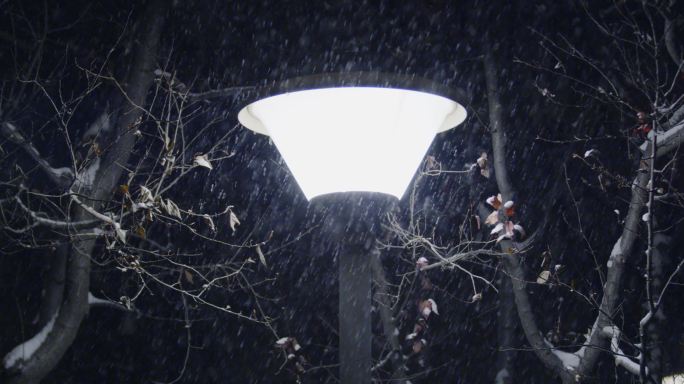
<point x="670" y="139"/>
<point x="120" y="233"/>
<point x="55" y="224"/>
<point x="95" y="301"/>
<point x="570" y="361"/>
<point x="620" y="358"/>
<point x="23" y="352"/>
<point x="61" y="176"/>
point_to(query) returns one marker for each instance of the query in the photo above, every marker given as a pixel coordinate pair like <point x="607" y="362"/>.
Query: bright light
<point x="674" y="379"/>
<point x="352" y="138"/>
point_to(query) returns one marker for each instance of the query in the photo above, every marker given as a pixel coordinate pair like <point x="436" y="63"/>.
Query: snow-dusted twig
<point x="614" y="333"/>
<point x="62" y="177"/>
<point x="55" y="224"/>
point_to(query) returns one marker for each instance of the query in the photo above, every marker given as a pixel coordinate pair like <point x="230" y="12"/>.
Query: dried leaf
<point x="145" y="195"/>
<point x="210" y="222"/>
<point x="591" y="152"/>
<point x="427" y="307"/>
<point x="282" y="342"/>
<point x="262" y="257"/>
<point x="202" y="161"/>
<point x="477" y="221"/>
<point x="502" y="237"/>
<point x="521" y="231"/>
<point x="189" y="276"/>
<point x="431" y="163"/>
<point x="140" y="231"/>
<point x="234" y="221"/>
<point x="508" y="228"/>
<point x="494" y="201"/>
<point x="509" y="209"/>
<point x="493" y="218"/>
<point x="505" y="230"/>
<point x="543" y="277"/>
<point x="123" y="189"/>
<point x="483" y="164"/>
<point x="171" y="208"/>
<point x="433" y="305"/>
<point x="498" y="228"/>
<point x="482" y="160"/>
<point x="421" y="263"/>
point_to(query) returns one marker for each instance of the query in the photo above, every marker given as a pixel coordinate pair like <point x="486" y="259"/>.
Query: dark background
<point x="214" y="44"/>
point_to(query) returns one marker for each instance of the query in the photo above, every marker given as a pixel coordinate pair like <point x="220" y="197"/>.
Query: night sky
<point x="551" y="114"/>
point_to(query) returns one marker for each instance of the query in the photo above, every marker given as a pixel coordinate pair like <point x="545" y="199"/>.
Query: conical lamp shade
<point x="352" y="138"/>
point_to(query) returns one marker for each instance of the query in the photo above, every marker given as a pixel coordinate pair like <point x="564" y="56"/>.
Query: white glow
<point x="352" y="138"/>
<point x="674" y="379"/>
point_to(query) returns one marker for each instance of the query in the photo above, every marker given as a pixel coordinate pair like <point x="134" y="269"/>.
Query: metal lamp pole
<point x="353" y="222"/>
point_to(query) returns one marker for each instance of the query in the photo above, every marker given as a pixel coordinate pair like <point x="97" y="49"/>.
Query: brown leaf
<point x="140" y="231"/>
<point x="493" y="218"/>
<point x="509" y="209"/>
<point x="494" y="201"/>
<point x="209" y="222"/>
<point x="483" y="164"/>
<point x="189" y="277"/>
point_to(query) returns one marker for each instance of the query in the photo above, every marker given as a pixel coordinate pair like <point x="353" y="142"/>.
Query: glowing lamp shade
<point x="352" y="138"/>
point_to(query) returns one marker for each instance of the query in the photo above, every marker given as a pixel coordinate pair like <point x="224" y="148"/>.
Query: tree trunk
<point x="654" y="351"/>
<point x="505" y="331"/>
<point x="53" y="288"/>
<point x="75" y="304"/>
<point x="511" y="261"/>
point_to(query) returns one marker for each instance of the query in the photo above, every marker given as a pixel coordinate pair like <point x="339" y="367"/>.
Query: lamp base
<point x="353" y="222"/>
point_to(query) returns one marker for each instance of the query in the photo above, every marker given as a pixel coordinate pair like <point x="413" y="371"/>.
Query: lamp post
<point x="354" y="140"/>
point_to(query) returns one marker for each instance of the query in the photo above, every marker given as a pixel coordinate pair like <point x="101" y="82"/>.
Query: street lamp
<point x="354" y="139"/>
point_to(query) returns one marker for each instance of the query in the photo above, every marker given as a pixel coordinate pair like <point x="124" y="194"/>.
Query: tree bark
<point x="511" y="262"/>
<point x="53" y="291"/>
<point x="75" y="304"/>
<point x="505" y="332"/>
<point x="654" y="351"/>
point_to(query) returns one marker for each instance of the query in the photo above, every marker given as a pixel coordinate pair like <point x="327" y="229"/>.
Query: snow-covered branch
<point x="55" y="224"/>
<point x="621" y="359"/>
<point x="18" y="355"/>
<point x="63" y="176"/>
<point x="120" y="233"/>
<point x="94" y="301"/>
